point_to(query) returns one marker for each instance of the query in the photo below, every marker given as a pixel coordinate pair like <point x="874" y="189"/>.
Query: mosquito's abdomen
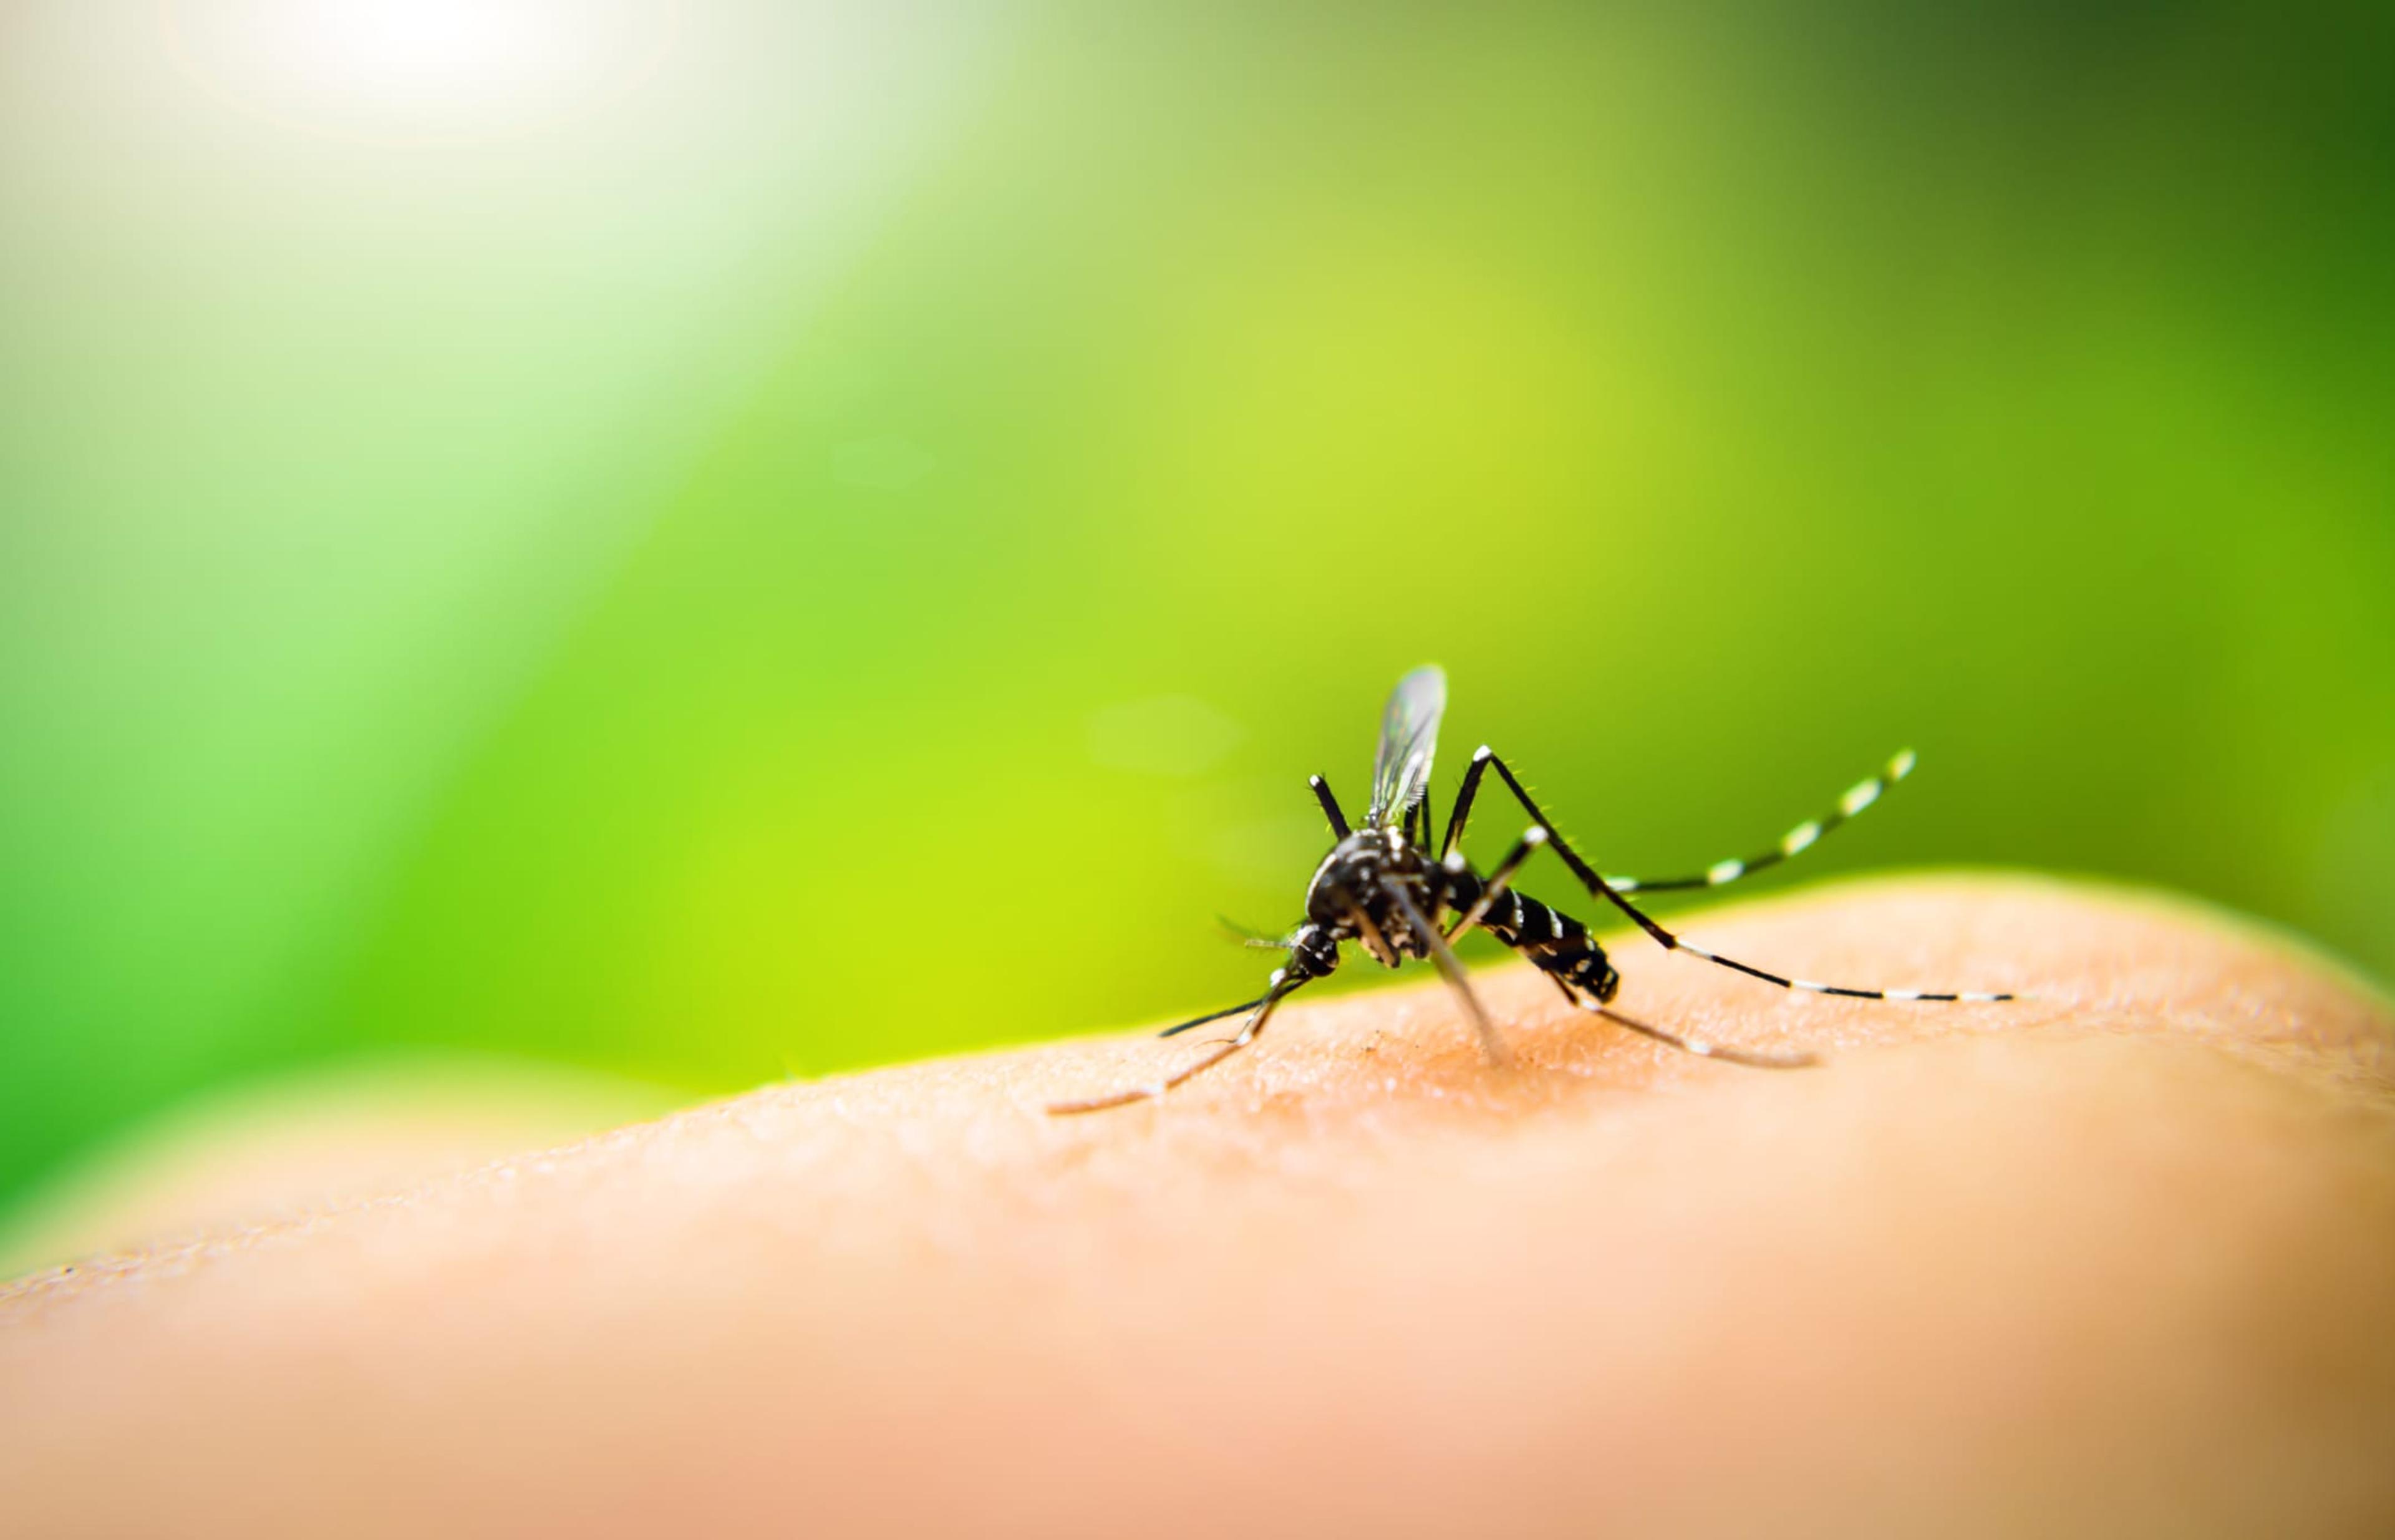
<point x="1557" y="942"/>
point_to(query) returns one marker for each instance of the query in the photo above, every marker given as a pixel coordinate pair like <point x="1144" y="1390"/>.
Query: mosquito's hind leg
<point x="1699" y="1046"/>
<point x="1598" y="888"/>
<point x="1862" y="794"/>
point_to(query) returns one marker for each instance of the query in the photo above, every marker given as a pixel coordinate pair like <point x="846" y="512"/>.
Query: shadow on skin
<point x="2112" y="1260"/>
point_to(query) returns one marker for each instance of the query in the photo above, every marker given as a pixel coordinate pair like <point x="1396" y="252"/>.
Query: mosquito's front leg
<point x="1284" y="985"/>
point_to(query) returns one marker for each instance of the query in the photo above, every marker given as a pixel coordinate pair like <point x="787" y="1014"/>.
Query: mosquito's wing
<point x="1408" y="737"/>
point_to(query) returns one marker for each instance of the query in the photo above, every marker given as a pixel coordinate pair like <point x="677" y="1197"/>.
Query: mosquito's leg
<point x="1284" y="985"/>
<point x="1688" y="1045"/>
<point x="1493" y="1047"/>
<point x="1463" y="809"/>
<point x="1796" y="841"/>
<point x="1597" y="886"/>
<point x="1330" y="805"/>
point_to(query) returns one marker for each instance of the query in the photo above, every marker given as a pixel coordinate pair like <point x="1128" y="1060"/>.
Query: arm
<point x="2119" y="1257"/>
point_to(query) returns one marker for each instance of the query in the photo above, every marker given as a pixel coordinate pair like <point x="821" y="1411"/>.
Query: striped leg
<point x="1796" y="841"/>
<point x="1598" y="888"/>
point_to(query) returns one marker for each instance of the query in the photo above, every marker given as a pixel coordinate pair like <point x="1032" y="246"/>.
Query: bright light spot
<point x="416" y="66"/>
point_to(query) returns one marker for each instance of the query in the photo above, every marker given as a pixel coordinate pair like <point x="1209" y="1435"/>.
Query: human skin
<point x="2115" y="1259"/>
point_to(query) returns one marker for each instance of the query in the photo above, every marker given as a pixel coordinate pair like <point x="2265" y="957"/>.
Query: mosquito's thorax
<point x="1354" y="876"/>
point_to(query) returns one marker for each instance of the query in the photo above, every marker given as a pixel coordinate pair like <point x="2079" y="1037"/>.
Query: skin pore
<point x="2113" y="1259"/>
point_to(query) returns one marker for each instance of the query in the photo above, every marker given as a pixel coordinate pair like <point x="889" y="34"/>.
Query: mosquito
<point x="1380" y="888"/>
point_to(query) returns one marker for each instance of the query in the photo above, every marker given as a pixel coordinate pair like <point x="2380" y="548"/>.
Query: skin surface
<point x="2117" y="1259"/>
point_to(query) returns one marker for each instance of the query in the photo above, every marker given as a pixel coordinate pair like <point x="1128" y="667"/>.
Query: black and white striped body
<point x="1349" y="901"/>
<point x="1560" y="945"/>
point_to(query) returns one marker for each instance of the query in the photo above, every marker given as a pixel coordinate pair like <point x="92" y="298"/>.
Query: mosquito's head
<point x="1312" y="953"/>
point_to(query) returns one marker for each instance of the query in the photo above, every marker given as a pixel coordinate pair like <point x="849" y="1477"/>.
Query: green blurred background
<point x="716" y="540"/>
